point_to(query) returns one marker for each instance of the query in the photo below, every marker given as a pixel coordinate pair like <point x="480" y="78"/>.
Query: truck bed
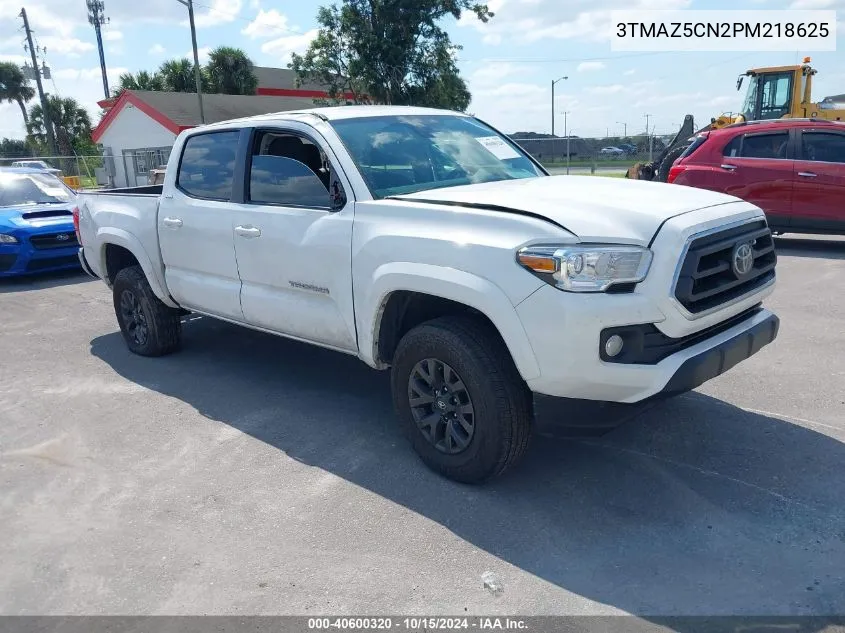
<point x="144" y="190"/>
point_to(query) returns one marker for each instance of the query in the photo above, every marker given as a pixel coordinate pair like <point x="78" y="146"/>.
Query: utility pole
<point x="190" y="5"/>
<point x="648" y="134"/>
<point x="566" y="134"/>
<point x="48" y="123"/>
<point x="96" y="19"/>
<point x="624" y="128"/>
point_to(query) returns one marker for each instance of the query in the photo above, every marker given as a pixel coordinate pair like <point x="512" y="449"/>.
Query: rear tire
<point x="149" y="327"/>
<point x="481" y="424"/>
<point x="668" y="161"/>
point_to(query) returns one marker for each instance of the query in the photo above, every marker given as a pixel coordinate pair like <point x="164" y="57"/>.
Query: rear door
<point x="819" y="199"/>
<point x="195" y="223"/>
<point x="758" y="167"/>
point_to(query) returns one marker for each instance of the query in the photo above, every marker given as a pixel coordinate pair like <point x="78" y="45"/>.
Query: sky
<point x="508" y="63"/>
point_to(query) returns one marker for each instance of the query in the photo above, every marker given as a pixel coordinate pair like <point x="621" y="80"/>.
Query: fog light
<point x="613" y="345"/>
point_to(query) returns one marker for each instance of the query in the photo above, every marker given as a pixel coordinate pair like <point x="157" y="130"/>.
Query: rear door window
<point x="772" y="146"/>
<point x="825" y="147"/>
<point x="207" y="167"/>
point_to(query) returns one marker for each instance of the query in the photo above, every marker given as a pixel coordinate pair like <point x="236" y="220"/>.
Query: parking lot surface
<point x="248" y="474"/>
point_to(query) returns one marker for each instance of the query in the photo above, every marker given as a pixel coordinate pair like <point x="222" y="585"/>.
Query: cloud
<point x="68" y="46"/>
<point x="158" y="49"/>
<point x="630" y="72"/>
<point x="220" y="12"/>
<point x="202" y="53"/>
<point x="590" y="66"/>
<point x="606" y="90"/>
<point x="282" y="47"/>
<point x="529" y="21"/>
<point x="492" y="75"/>
<point x="112" y="36"/>
<point x="267" y="24"/>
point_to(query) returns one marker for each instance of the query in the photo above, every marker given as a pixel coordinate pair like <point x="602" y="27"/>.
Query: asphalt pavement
<point x="248" y="474"/>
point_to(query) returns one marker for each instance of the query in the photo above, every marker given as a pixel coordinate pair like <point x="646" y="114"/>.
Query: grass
<point x="599" y="162"/>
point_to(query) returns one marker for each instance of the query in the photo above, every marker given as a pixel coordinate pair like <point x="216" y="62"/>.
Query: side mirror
<point x="337" y="196"/>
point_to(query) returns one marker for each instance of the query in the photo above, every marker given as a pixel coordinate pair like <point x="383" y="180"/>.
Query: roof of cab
<point x="335" y="113"/>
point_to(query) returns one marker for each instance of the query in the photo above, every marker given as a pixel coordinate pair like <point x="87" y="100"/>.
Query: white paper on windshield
<point x="497" y="147"/>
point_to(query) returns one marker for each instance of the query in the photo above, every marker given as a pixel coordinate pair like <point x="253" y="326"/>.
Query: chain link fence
<point x="590" y="153"/>
<point x="78" y="172"/>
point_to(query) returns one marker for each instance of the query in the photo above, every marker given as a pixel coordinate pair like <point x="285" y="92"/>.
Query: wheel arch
<point x="442" y="291"/>
<point x="117" y="249"/>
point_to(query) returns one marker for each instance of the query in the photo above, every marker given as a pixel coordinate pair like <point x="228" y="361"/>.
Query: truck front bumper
<point x="566" y="332"/>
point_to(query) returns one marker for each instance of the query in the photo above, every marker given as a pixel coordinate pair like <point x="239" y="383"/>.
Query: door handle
<point x="807" y="174"/>
<point x="247" y="231"/>
<point x="172" y="223"/>
<point x="728" y="167"/>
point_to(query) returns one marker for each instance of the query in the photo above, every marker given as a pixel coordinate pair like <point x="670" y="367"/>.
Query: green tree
<point x="71" y="124"/>
<point x="177" y="75"/>
<point x="14" y="87"/>
<point x="388" y="51"/>
<point x="13" y="148"/>
<point x="231" y="71"/>
<point x="142" y="80"/>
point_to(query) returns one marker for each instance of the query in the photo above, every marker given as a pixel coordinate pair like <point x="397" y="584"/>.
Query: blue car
<point x="36" y="223"/>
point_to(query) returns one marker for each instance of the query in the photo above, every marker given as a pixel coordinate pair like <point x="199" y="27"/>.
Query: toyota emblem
<point x="742" y="259"/>
<point x="62" y="237"/>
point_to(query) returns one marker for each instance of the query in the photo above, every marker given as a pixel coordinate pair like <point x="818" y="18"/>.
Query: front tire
<point x="149" y="327"/>
<point x="463" y="405"/>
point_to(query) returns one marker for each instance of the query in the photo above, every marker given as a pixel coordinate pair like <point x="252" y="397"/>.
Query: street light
<point x="190" y="5"/>
<point x="553" y="102"/>
<point x="624" y="128"/>
<point x="566" y="134"/>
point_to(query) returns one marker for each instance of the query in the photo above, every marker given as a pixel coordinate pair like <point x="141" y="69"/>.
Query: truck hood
<point x="37" y="216"/>
<point x="612" y="210"/>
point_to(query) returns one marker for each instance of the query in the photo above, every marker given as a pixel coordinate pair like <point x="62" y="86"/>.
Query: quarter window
<point x="823" y="147"/>
<point x="207" y="167"/>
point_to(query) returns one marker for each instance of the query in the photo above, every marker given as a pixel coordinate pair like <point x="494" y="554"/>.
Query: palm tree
<point x="14" y="87"/>
<point x="230" y="71"/>
<point x="71" y="123"/>
<point x="177" y="75"/>
<point x="142" y="80"/>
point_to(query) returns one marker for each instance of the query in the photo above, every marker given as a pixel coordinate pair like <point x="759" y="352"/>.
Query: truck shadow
<point x="693" y="507"/>
<point x="43" y="281"/>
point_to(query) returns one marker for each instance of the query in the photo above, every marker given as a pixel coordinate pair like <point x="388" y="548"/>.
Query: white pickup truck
<point x="427" y="243"/>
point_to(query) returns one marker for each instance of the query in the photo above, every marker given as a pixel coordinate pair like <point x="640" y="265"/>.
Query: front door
<point x="293" y="245"/>
<point x="819" y="201"/>
<point x="195" y="223"/>
<point x="757" y="167"/>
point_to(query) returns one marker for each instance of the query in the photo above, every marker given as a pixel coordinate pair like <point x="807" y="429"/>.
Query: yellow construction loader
<point x="776" y="92"/>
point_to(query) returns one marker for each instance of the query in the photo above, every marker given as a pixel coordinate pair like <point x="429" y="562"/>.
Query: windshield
<point x="23" y="189"/>
<point x="749" y="105"/>
<point x="406" y="154"/>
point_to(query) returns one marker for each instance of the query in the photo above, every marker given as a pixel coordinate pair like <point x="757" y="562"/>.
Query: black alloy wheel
<point x="441" y="406"/>
<point x="133" y="318"/>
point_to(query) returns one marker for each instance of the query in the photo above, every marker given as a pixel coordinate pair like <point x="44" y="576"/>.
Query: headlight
<point x="586" y="267"/>
<point x="8" y="239"/>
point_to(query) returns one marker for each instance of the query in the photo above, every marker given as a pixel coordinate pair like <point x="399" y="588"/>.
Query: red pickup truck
<point x="793" y="169"/>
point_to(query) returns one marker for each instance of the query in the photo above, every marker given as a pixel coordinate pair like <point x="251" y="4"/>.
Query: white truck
<point x="427" y="243"/>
